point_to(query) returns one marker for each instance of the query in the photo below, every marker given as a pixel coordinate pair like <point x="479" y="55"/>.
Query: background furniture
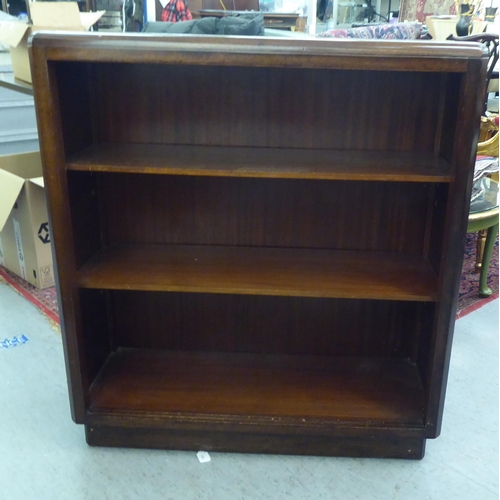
<point x="483" y="218"/>
<point x="418" y="10"/>
<point x="490" y="43"/>
<point x="347" y="12"/>
<point x="273" y="20"/>
<point x="388" y="31"/>
<point x="18" y="130"/>
<point x="488" y="145"/>
<point x="258" y="255"/>
<point x="231" y="5"/>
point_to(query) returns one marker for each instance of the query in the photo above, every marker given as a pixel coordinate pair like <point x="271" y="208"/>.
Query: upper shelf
<point x="262" y="162"/>
<point x="261" y="271"/>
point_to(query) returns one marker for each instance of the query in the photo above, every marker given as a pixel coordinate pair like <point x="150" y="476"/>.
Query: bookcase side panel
<point x="76" y="105"/>
<point x="97" y="328"/>
<point x="462" y="150"/>
<point x="49" y="118"/>
<point x="452" y="88"/>
<point x="85" y="200"/>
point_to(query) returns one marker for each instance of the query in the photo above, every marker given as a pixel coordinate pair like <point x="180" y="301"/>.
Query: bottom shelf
<point x="258" y="388"/>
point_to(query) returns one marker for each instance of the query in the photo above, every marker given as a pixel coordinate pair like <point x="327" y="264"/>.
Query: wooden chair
<point x="485" y="222"/>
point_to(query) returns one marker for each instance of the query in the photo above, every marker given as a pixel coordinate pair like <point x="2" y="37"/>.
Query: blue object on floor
<point x="43" y="454"/>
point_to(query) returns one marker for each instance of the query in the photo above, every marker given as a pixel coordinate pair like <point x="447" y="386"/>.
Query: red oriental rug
<point x="468" y="298"/>
<point x="468" y="301"/>
<point x="43" y="300"/>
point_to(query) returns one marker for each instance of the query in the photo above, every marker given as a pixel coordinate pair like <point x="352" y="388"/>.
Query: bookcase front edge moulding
<point x="258" y="241"/>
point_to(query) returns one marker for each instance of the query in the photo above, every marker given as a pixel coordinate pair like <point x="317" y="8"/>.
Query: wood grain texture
<point x="95" y="325"/>
<point x="259" y="51"/>
<point x="359" y="442"/>
<point x="52" y="149"/>
<point x="261" y="271"/>
<point x="343" y="215"/>
<point x="86" y="217"/>
<point x="300" y="261"/>
<point x="261" y="162"/>
<point x="180" y="104"/>
<point x="75" y="105"/>
<point x="472" y="87"/>
<point x="437" y="221"/>
<point x="450" y="111"/>
<point x="266" y="324"/>
<point x="258" y="387"/>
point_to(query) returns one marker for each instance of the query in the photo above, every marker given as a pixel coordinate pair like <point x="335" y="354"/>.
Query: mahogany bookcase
<point x="258" y="241"/>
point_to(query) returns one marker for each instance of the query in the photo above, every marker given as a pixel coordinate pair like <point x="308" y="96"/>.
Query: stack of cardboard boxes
<point x="25" y="247"/>
<point x="24" y="224"/>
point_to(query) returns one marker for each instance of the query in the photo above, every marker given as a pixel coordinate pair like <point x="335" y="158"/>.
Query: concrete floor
<point x="43" y="455"/>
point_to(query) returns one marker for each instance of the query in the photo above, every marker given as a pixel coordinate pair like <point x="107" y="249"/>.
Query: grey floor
<point x="43" y="455"/>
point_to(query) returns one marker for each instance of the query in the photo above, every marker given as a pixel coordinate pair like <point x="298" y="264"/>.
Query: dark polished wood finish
<point x="261" y="271"/>
<point x="274" y="163"/>
<point x="264" y="324"/>
<point x="290" y="389"/>
<point x="258" y="241"/>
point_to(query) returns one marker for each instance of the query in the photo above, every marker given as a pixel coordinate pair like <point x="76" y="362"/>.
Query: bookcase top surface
<point x="258" y="51"/>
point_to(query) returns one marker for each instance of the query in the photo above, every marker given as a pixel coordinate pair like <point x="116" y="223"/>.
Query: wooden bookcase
<point x="258" y="241"/>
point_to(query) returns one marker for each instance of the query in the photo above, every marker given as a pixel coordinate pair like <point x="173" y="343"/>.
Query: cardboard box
<point x="24" y="224"/>
<point x="45" y="16"/>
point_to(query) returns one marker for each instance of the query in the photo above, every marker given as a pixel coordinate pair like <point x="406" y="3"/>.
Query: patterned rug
<point x="469" y="300"/>
<point x="43" y="300"/>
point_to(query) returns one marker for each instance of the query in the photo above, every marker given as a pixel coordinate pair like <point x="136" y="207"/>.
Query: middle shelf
<point x="291" y="163"/>
<point x="261" y="271"/>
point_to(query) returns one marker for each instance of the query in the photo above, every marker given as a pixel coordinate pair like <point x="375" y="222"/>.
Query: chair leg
<point x="484" y="290"/>
<point x="481" y="240"/>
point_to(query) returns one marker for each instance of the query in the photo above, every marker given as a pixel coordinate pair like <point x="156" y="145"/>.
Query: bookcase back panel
<point x="237" y="106"/>
<point x="438" y="221"/>
<point x="273" y="325"/>
<point x="341" y="215"/>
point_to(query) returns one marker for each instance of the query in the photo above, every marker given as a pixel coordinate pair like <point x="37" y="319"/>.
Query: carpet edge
<point x="39" y="305"/>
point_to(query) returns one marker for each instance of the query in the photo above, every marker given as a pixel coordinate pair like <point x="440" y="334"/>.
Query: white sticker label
<point x="46" y="276"/>
<point x="20" y="251"/>
<point x="203" y="457"/>
<point x="2" y="258"/>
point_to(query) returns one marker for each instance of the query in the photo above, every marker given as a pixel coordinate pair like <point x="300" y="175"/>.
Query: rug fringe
<point x="51" y="317"/>
<point x="477" y="305"/>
